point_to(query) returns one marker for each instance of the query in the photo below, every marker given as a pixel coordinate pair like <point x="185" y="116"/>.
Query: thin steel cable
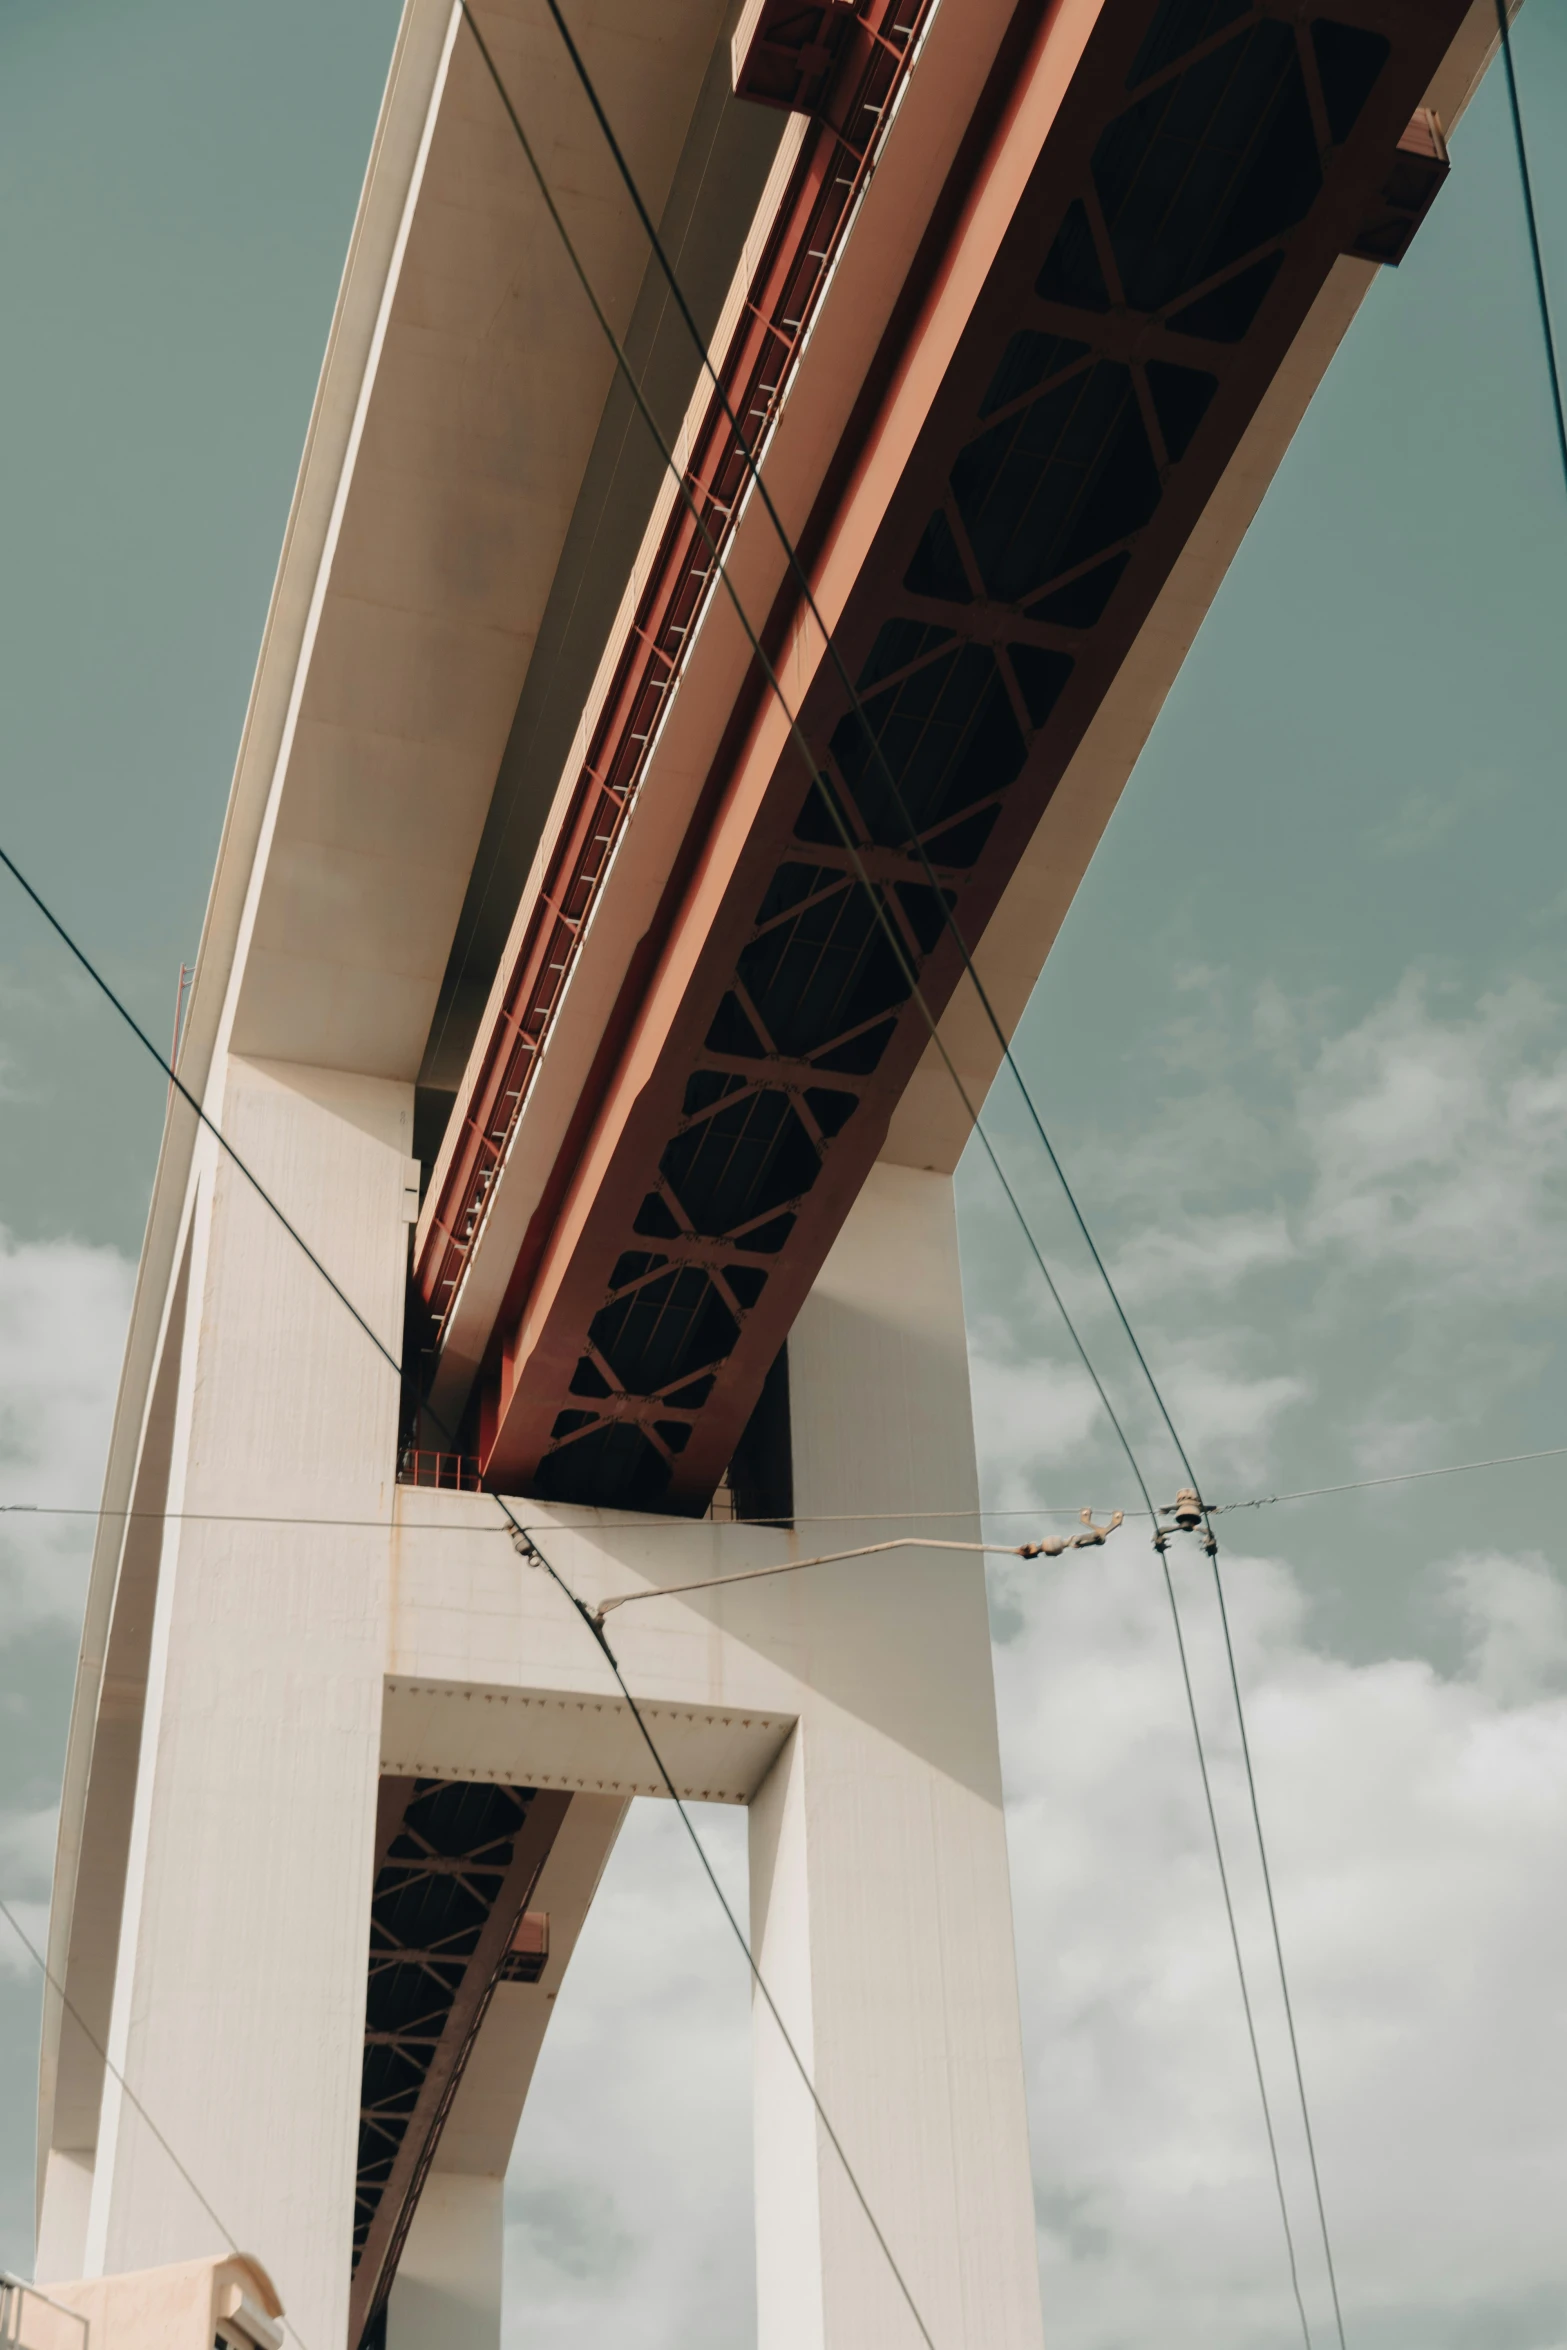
<point x="949" y="915"/>
<point x="131" y="2098"/>
<point x="1235" y="1945"/>
<point x="1278" y="1943"/>
<point x="532" y="1549"/>
<point x="893" y="939"/>
<point x="185" y="1094"/>
<point x="1535" y="255"/>
<point x="646" y="1524"/>
<point x="1504" y="1460"/>
<point x="652" y="1525"/>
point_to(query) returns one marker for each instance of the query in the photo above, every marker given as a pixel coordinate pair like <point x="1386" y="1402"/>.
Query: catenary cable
<point x="857" y="707"/>
<point x="651" y="1525"/>
<point x="896" y="945"/>
<point x="186" y="1096"/>
<point x="830" y="802"/>
<point x="647" y="1524"/>
<point x="950" y="918"/>
<point x="129" y="2094"/>
<point x="1268" y="1501"/>
<point x="529" y="1548"/>
<point x="949" y="915"/>
<point x="1535" y="255"/>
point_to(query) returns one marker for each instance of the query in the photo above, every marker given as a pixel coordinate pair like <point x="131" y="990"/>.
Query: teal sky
<point x="1303" y="1047"/>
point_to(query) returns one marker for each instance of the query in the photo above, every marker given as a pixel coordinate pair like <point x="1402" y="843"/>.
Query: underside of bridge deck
<point x="456" y="1863"/>
<point x="1207" y="163"/>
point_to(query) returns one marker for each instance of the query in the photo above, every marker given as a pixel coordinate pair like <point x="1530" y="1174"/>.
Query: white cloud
<point x="629" y="2196"/>
<point x="1371" y="1220"/>
<point x="1415" y="1825"/>
<point x="33" y="1918"/>
<point x="1227" y="1415"/>
<point x="1515" y="1613"/>
<point x="63" y="1309"/>
<point x="1440" y="1144"/>
<point x="1027" y="1415"/>
<point x="1416" y="1815"/>
<point x="1210" y="1253"/>
<point x="1036" y="1418"/>
<point x="1423" y="819"/>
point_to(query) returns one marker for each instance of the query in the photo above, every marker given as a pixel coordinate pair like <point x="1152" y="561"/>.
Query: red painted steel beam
<point x="754" y="373"/>
<point x="785" y="51"/>
<point x="1080" y="325"/>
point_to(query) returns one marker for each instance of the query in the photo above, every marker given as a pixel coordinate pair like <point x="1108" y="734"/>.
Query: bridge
<point x="662" y="785"/>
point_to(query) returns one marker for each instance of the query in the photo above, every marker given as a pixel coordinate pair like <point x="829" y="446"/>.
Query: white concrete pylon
<point x="291" y="1666"/>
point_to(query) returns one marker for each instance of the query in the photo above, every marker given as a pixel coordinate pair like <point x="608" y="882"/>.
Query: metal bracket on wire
<point x="1052" y="1547"/>
<point x="1191" y="1516"/>
<point x="1055" y="1544"/>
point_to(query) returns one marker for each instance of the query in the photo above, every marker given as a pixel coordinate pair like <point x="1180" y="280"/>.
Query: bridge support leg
<point x="881" y="1910"/>
<point x="237" y="2015"/>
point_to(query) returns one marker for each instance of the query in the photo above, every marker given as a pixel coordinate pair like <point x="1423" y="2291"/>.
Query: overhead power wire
<point x="951" y="922"/>
<point x="642" y="1523"/>
<point x="1526" y="184"/>
<point x="1504" y="1460"/>
<point x="127" y="2092"/>
<point x="917" y="996"/>
<point x="186" y="1096"/>
<point x="632" y="1520"/>
<point x="529" y="1548"/>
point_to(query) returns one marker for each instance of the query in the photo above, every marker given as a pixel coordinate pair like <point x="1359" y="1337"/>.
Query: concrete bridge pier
<point x="311" y="1645"/>
<point x="852" y="1709"/>
<point x="880" y="1903"/>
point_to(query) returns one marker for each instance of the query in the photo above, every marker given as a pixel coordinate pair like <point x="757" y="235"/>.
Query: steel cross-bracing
<point x="1208" y="163"/>
<point x="456" y="1863"/>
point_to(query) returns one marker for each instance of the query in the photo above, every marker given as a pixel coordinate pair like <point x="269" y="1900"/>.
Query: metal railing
<point x="450" y="1472"/>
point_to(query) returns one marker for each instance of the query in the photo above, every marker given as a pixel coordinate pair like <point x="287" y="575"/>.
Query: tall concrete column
<point x="881" y="1909"/>
<point x="291" y="1665"/>
<point x="238" y="2004"/>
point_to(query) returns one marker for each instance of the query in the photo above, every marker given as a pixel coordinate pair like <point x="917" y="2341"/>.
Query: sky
<point x="1302" y="1048"/>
